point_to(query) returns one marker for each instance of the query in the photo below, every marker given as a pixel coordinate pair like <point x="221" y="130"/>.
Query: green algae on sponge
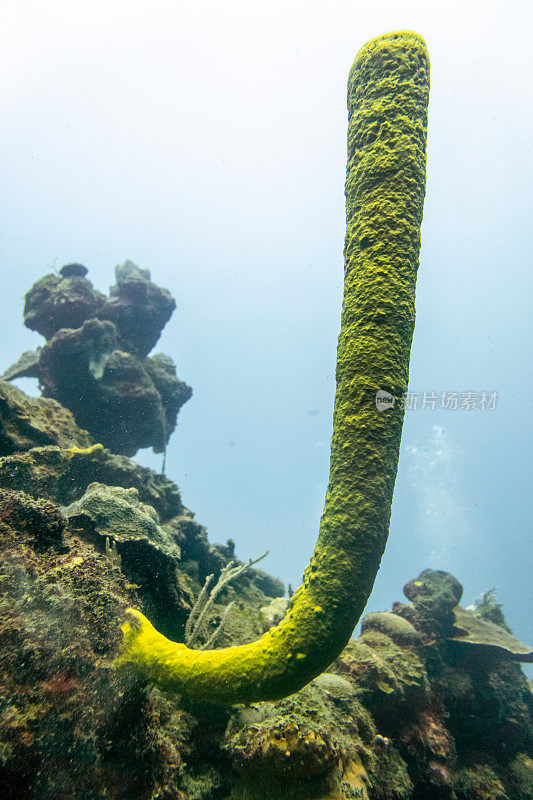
<point x="388" y="93"/>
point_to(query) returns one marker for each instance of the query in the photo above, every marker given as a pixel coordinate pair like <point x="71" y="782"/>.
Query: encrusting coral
<point x="388" y="93"/>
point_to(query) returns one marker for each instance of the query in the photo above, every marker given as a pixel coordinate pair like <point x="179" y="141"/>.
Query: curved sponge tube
<point x="388" y="93"/>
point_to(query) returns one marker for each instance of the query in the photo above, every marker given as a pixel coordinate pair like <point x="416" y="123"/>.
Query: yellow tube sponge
<point x="388" y="93"/>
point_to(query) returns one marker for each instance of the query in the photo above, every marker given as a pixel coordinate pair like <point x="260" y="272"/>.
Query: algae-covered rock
<point x="429" y="749"/>
<point x="58" y="695"/>
<point x="389" y="776"/>
<point x="391" y="678"/>
<point x="97" y="464"/>
<point x="397" y="628"/>
<point x="369" y="672"/>
<point x="315" y="743"/>
<point x="478" y="782"/>
<point x="471" y="663"/>
<point x="38" y="522"/>
<point x="95" y="359"/>
<point x="26" y="422"/>
<point x="61" y="301"/>
<point x="488" y="706"/>
<point x="73" y="271"/>
<point x="27" y="366"/>
<point x="434" y="593"/>
<point x="139" y="308"/>
<point x="63" y="475"/>
<point x="519" y="777"/>
<point x="62" y="591"/>
<point x="126" y="402"/>
<point x="38" y="472"/>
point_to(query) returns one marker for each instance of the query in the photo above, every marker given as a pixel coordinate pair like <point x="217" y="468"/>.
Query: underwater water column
<point x="388" y="92"/>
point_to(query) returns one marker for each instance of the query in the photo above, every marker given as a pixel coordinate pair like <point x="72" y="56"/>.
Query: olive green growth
<point x="388" y="92"/>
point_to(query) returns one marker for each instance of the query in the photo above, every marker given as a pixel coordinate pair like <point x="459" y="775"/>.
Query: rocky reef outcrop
<point x="84" y="533"/>
<point x="95" y="361"/>
<point x="429" y="703"/>
<point x="29" y="422"/>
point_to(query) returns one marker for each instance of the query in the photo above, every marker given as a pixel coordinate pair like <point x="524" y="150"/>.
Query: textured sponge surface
<point x="388" y="92"/>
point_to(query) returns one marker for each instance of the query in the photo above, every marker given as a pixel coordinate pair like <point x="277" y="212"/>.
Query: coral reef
<point x="319" y="740"/>
<point x="31" y="422"/>
<point x="406" y="711"/>
<point x="70" y="725"/>
<point x="95" y="361"/>
<point x="388" y="93"/>
<point x="401" y="714"/>
<point x="429" y="703"/>
<point x="61" y="301"/>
